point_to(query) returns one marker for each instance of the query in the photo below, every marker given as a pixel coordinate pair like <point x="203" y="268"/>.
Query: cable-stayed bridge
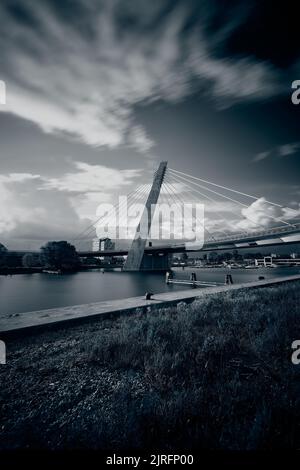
<point x="233" y="220"/>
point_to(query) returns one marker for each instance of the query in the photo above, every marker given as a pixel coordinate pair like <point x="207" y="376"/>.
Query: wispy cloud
<point x="288" y="149"/>
<point x="283" y="150"/>
<point x="91" y="178"/>
<point x="262" y="156"/>
<point x="139" y="140"/>
<point x="18" y="177"/>
<point x="84" y="79"/>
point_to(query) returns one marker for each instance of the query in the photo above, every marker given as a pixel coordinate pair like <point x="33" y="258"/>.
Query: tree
<point x="184" y="257"/>
<point x="236" y="256"/>
<point x="59" y="255"/>
<point x="31" y="260"/>
<point x="212" y="257"/>
<point x="227" y="256"/>
<point x="3" y="252"/>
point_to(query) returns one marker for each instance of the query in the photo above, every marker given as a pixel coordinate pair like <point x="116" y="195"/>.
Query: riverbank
<point x="22" y="323"/>
<point x="214" y="374"/>
<point x="9" y="271"/>
<point x="41" y="291"/>
<point x="19" y="270"/>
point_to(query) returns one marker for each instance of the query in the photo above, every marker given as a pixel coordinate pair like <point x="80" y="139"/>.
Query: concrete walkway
<point x="28" y="321"/>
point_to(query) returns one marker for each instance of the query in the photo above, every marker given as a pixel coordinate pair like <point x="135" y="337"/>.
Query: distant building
<point x="102" y="244"/>
<point x="96" y="244"/>
<point x="107" y="244"/>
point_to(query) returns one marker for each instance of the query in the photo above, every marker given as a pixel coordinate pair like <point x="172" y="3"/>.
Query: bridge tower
<point x="137" y="259"/>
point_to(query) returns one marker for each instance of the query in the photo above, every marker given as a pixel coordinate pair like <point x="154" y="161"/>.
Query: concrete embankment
<point x="43" y="319"/>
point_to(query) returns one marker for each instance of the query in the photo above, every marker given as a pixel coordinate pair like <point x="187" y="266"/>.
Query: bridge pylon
<point x="137" y="259"/>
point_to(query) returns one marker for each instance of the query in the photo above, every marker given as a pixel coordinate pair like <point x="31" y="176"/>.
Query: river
<point x="27" y="292"/>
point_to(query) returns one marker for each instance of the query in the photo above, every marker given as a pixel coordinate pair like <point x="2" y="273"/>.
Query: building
<point x="102" y="244"/>
<point x="96" y="244"/>
<point x="107" y="244"/>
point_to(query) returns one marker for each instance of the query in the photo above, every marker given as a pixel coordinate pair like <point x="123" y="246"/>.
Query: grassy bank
<point x="215" y="374"/>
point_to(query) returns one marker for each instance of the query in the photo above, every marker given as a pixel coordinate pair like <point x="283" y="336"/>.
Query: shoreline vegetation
<point x="213" y="374"/>
<point x="9" y="271"/>
<point x="35" y="270"/>
<point x="61" y="257"/>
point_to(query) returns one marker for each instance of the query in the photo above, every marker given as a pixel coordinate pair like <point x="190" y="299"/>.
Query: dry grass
<point x="215" y="374"/>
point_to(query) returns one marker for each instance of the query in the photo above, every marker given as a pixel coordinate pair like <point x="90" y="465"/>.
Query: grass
<point x="214" y="374"/>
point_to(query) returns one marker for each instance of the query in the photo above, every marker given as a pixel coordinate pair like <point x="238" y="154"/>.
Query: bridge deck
<point x="29" y="321"/>
<point x="270" y="237"/>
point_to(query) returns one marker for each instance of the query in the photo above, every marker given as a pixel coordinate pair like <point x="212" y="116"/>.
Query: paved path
<point x="27" y="321"/>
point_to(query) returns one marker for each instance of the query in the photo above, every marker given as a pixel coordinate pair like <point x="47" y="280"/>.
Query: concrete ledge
<point x="43" y="319"/>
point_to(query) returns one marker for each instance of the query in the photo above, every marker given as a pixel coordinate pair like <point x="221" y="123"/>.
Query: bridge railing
<point x="272" y="231"/>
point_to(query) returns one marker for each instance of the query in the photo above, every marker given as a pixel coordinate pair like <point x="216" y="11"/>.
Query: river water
<point x="27" y="292"/>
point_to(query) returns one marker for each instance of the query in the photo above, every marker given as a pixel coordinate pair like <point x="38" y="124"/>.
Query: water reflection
<point x="26" y="292"/>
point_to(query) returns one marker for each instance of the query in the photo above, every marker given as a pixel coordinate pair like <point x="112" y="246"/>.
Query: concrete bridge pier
<point x="156" y="262"/>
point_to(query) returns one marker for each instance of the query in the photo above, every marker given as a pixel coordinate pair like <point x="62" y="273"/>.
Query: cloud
<point x="90" y="185"/>
<point x="38" y="207"/>
<point x="138" y="139"/>
<point x="85" y="204"/>
<point x="84" y="76"/>
<point x="18" y="177"/>
<point x="261" y="156"/>
<point x="91" y="178"/>
<point x="13" y="211"/>
<point x="232" y="80"/>
<point x="260" y="214"/>
<point x="288" y="149"/>
<point x="29" y="214"/>
<point x="228" y="217"/>
<point x="283" y="150"/>
<point x="291" y="213"/>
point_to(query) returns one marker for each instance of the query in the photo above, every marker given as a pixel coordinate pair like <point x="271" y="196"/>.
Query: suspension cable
<point x="228" y="189"/>
<point x="180" y="201"/>
<point x="176" y="181"/>
<point x="216" y="202"/>
<point x="135" y="193"/>
<point x="233" y="200"/>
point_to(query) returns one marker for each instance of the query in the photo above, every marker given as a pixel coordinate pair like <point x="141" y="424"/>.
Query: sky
<point x="98" y="92"/>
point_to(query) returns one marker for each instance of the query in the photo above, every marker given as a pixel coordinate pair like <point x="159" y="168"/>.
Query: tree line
<point x="59" y="255"/>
